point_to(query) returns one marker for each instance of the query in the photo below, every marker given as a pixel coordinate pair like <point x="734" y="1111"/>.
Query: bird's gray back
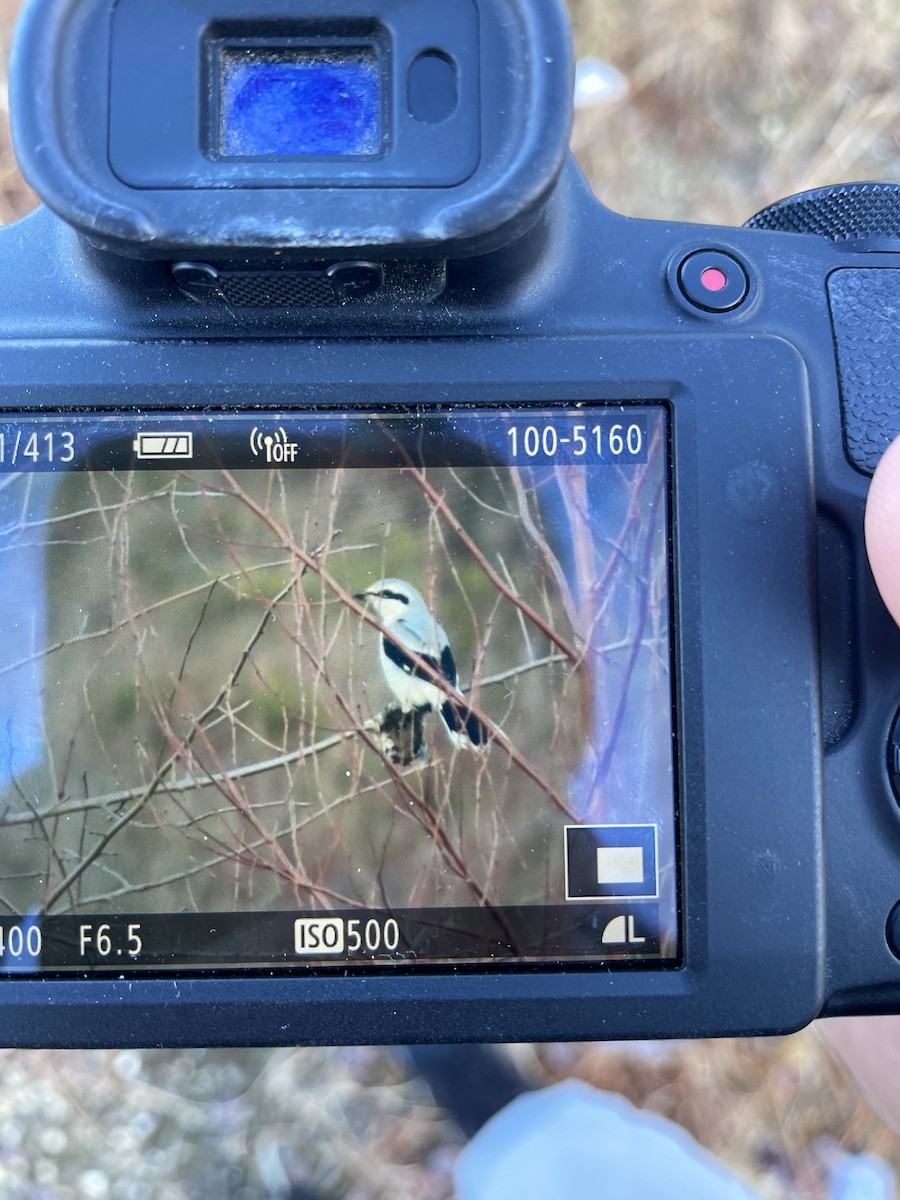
<point x="421" y="634"/>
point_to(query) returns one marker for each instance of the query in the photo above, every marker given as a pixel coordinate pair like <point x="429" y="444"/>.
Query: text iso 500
<point x="352" y="936"/>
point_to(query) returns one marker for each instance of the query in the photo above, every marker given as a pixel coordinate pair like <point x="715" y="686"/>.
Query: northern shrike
<point x="405" y="614"/>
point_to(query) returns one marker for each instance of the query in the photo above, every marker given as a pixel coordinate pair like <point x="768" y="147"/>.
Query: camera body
<point x="445" y="257"/>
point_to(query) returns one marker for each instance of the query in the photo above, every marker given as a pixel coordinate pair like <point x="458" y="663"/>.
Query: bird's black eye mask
<point x="386" y="595"/>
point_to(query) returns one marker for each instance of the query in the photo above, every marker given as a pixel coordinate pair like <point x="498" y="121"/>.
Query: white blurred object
<point x="575" y="1143"/>
<point x="598" y="82"/>
<point x="861" y="1177"/>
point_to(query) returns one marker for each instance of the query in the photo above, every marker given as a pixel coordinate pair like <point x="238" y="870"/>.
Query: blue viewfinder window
<point x="324" y="102"/>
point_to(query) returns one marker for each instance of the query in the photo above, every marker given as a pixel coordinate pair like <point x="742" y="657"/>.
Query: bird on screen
<point x="414" y="631"/>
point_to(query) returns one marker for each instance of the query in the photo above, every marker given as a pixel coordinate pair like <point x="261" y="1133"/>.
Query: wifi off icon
<point x="275" y="447"/>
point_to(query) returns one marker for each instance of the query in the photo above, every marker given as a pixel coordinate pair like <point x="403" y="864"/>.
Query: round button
<point x="713" y="281"/>
<point x="894" y="758"/>
<point x="893" y="931"/>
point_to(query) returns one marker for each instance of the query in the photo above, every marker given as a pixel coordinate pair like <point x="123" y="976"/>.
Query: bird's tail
<point x="464" y="727"/>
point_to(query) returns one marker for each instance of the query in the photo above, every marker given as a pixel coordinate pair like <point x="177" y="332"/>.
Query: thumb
<point x="883" y="528"/>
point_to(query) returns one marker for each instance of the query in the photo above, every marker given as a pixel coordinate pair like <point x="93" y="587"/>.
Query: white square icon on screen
<point x="620" y="864"/>
<point x="611" y="862"/>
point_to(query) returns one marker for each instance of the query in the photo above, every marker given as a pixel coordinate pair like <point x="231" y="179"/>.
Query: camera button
<point x="713" y="281"/>
<point x="894" y="758"/>
<point x="893" y="931"/>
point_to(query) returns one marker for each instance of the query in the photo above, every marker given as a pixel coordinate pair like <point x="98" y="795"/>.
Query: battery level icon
<point x="164" y="445"/>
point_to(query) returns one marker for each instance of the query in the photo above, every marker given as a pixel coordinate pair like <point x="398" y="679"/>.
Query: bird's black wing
<point x="400" y="658"/>
<point x="460" y="719"/>
<point x="448" y="666"/>
<point x="400" y="655"/>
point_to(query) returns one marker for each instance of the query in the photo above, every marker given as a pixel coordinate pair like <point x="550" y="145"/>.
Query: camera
<point x="433" y="607"/>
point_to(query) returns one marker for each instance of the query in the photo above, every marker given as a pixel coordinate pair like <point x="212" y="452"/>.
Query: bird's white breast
<point x="410" y="690"/>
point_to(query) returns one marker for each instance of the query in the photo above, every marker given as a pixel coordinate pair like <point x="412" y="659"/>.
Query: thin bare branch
<point x="496" y="579"/>
<point x="163" y="770"/>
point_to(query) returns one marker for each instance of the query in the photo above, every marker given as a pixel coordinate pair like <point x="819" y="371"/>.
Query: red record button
<point x="713" y="281"/>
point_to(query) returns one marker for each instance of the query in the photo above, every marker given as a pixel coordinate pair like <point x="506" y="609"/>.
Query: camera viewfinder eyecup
<point x="454" y="127"/>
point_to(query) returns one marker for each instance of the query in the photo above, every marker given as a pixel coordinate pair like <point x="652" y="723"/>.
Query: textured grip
<point x="844" y="212"/>
<point x="865" y="313"/>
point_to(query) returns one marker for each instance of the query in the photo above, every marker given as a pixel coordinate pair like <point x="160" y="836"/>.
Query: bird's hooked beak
<point x="362" y="597"/>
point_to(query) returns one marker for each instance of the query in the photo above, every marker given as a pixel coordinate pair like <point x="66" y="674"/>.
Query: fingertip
<point x="883" y="528"/>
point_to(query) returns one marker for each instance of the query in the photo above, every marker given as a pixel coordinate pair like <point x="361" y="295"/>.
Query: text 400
<point x="620" y="440"/>
<point x="17" y="941"/>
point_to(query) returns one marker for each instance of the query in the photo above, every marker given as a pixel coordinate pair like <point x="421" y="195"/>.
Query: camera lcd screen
<point x="289" y="103"/>
<point x="325" y="691"/>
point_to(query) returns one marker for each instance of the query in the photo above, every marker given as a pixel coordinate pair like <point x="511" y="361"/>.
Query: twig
<point x="424" y="668"/>
<point x="140" y="615"/>
<point x="174" y="756"/>
<point x="190" y="783"/>
<point x="496" y="579"/>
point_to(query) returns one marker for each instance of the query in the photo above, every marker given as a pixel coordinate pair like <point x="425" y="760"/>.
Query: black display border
<point x="749" y="724"/>
<point x="654" y="408"/>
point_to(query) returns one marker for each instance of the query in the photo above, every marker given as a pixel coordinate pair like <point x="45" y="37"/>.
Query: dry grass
<point x="776" y="1110"/>
<point x="16" y="198"/>
<point x="173" y="1125"/>
<point x="733" y="103"/>
<point x="736" y="103"/>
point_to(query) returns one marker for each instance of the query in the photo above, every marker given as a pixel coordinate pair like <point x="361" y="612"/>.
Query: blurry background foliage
<point x="731" y="104"/>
